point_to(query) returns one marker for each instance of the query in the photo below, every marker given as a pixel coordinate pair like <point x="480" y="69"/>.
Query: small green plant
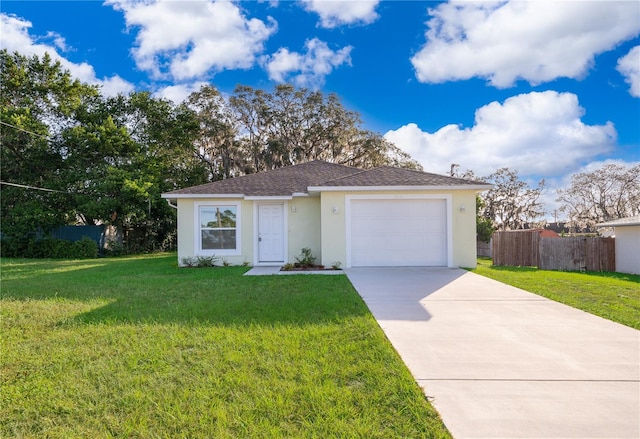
<point x="336" y="265"/>
<point x="288" y="266"/>
<point x="188" y="262"/>
<point x="306" y="258"/>
<point x="225" y="263"/>
<point x="245" y="263"/>
<point x="199" y="261"/>
<point x="207" y="261"/>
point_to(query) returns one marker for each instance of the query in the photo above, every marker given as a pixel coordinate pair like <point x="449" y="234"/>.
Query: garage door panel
<point x="398" y="232"/>
<point x="414" y="225"/>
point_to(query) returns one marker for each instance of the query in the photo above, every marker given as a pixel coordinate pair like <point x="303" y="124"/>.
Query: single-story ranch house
<point x="627" y="235"/>
<point x="384" y="216"/>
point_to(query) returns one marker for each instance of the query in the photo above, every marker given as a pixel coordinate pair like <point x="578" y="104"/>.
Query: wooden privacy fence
<point x="577" y="254"/>
<point x="515" y="248"/>
<point x="527" y="248"/>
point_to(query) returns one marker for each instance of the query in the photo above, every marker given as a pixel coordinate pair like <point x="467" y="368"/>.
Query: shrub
<point x="188" y="262"/>
<point x="306" y="259"/>
<point x="85" y="248"/>
<point x="49" y="248"/>
<point x="199" y="261"/>
<point x="114" y="247"/>
<point x="207" y="261"/>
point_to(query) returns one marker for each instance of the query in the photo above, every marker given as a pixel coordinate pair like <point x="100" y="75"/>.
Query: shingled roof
<point x="299" y="178"/>
<point x="390" y="176"/>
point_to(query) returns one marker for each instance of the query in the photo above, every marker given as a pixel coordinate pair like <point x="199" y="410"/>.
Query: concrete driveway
<point x="499" y="362"/>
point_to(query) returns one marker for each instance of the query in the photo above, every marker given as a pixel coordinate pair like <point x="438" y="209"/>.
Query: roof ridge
<point x="415" y="171"/>
<point x="358" y="171"/>
<point x="429" y="173"/>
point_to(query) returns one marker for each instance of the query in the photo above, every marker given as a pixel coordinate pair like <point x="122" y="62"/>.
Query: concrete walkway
<point x="499" y="362"/>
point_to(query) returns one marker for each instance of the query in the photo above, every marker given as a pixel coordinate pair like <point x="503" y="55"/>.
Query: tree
<point x="606" y="194"/>
<point x="215" y="144"/>
<point x="289" y="126"/>
<point x="484" y="225"/>
<point x="39" y="100"/>
<point x="511" y="203"/>
<point x="103" y="161"/>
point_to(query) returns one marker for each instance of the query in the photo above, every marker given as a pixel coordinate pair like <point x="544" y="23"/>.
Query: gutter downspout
<point x="175" y="206"/>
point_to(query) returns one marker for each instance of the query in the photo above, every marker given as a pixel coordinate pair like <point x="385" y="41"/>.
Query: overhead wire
<point x="26" y="186"/>
<point x="23" y="130"/>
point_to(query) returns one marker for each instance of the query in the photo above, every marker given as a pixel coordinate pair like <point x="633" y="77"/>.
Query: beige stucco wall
<point x="333" y="227"/>
<point x="627" y="249"/>
<point x="303" y="227"/>
<point x="186" y="244"/>
<point x="464" y="229"/>
<point x="463" y="224"/>
<point x="186" y="229"/>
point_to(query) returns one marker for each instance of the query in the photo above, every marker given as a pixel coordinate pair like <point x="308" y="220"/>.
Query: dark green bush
<point x="49" y="248"/>
<point x="85" y="248"/>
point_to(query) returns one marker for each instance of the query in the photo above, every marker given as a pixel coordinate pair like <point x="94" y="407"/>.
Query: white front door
<point x="271" y="233"/>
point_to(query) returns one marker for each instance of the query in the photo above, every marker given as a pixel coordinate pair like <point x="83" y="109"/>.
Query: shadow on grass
<point x="154" y="290"/>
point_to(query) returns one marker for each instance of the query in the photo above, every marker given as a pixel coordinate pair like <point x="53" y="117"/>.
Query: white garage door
<point x="398" y="233"/>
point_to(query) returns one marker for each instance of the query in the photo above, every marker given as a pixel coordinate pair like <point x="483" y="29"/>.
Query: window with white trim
<point x="218" y="228"/>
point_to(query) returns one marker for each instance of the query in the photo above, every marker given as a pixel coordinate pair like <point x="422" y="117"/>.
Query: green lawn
<point x="136" y="347"/>
<point x="614" y="296"/>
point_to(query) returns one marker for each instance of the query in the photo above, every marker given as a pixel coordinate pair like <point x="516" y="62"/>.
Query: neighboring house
<point x="559" y="228"/>
<point x="377" y="217"/>
<point x="627" y="235"/>
<point x="546" y="233"/>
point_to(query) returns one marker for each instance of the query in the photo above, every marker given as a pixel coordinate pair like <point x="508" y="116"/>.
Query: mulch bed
<point x="308" y="268"/>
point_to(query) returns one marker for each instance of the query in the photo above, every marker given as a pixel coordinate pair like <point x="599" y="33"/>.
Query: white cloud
<point x="337" y="13"/>
<point x="629" y="66"/>
<point x="537" y="41"/>
<point x="16" y="38"/>
<point x="178" y="93"/>
<point x="189" y="40"/>
<point x="537" y="134"/>
<point x="308" y="69"/>
<point x="58" y="41"/>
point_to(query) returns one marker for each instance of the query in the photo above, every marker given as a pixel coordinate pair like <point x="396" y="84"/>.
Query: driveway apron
<point x="499" y="362"/>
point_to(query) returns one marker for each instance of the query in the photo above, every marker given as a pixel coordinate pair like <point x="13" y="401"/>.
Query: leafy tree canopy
<point x="256" y="130"/>
<point x="105" y="160"/>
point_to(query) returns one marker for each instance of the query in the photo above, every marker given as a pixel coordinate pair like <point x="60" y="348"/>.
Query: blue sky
<point x="545" y="88"/>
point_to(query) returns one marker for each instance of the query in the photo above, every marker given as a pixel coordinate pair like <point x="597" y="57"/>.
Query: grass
<point x="136" y="347"/>
<point x="614" y="296"/>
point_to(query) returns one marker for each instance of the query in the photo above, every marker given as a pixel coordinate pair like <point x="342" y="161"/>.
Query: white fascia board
<point x="268" y="198"/>
<point x="478" y="187"/>
<point x="607" y="225"/>
<point x="300" y="194"/>
<point x="178" y="196"/>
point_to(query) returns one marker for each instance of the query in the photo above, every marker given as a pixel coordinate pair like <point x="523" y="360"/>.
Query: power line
<point x="24" y="131"/>
<point x="32" y="187"/>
